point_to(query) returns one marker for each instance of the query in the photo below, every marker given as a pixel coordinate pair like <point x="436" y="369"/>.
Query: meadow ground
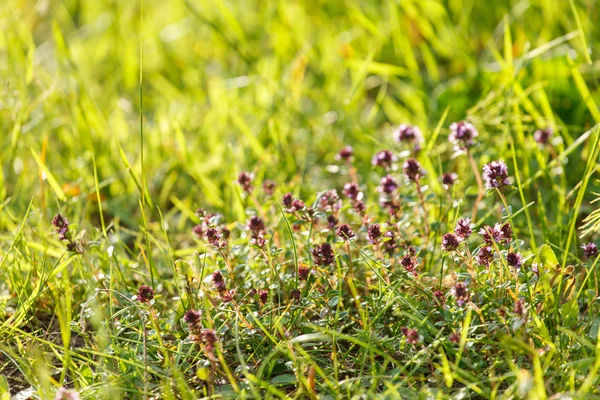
<point x="303" y="199"/>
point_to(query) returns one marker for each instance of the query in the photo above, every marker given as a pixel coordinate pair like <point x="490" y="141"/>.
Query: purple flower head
<point x="66" y="394"/>
<point x="412" y="335"/>
<point x="332" y="221"/>
<point x="590" y="250"/>
<point x="462" y="134"/>
<point x="218" y="281"/>
<point x="297" y="205"/>
<point x="269" y="187"/>
<point x="359" y="206"/>
<point x="412" y="169"/>
<point x="258" y="240"/>
<point x="256" y="225"/>
<point x="323" y="254"/>
<point x="454" y="337"/>
<point x="463" y="228"/>
<point x="374" y="233"/>
<point x="410" y="134"/>
<point x="263" y="296"/>
<point x="295" y="294"/>
<point x="345" y="154"/>
<point x="388" y="184"/>
<point x="448" y="179"/>
<point x="245" y="180"/>
<point x="408" y="262"/>
<point x="62" y="226"/>
<point x="330" y="200"/>
<point x="542" y="136"/>
<point x="513" y="259"/>
<point x="384" y="158"/>
<point x="209" y="337"/>
<point x="213" y="237"/>
<point x="345" y="232"/>
<point x="461" y="292"/>
<point x="198" y="230"/>
<point x="288" y="198"/>
<point x="450" y="242"/>
<point x="498" y="233"/>
<point x="193" y="319"/>
<point x="495" y="175"/>
<point x="389" y="245"/>
<point x="519" y="308"/>
<point x="352" y="191"/>
<point x="303" y="272"/>
<point x="485" y="256"/>
<point x="439" y="295"/>
<point x="145" y="294"/>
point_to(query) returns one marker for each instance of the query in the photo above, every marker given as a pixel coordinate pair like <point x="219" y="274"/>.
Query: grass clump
<point x="335" y="201"/>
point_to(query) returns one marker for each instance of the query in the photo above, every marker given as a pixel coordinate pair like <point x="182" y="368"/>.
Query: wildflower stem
<point x="425" y="219"/>
<point x="480" y="186"/>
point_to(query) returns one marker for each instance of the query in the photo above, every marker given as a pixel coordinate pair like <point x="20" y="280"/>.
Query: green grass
<point x="127" y="116"/>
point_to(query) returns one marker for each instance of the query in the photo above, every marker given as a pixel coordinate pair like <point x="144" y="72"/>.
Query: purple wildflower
<point x="450" y="242"/>
<point x="462" y="134"/>
<point x="374" y="233"/>
<point x="269" y="187"/>
<point x="590" y="250"/>
<point x="323" y="254"/>
<point x="448" y="179"/>
<point x="345" y="232"/>
<point x="411" y="134"/>
<point x="345" y="154"/>
<point x="352" y="191"/>
<point x="245" y="180"/>
<point x="485" y="256"/>
<point x="542" y="136"/>
<point x="515" y="260"/>
<point x="388" y="184"/>
<point x="463" y="228"/>
<point x="412" y="335"/>
<point x="412" y="169"/>
<point x="384" y="158"/>
<point x="461" y="292"/>
<point x="145" y="294"/>
<point x="495" y="175"/>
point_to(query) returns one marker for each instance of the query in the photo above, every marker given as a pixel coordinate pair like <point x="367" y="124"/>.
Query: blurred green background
<point x="275" y="87"/>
